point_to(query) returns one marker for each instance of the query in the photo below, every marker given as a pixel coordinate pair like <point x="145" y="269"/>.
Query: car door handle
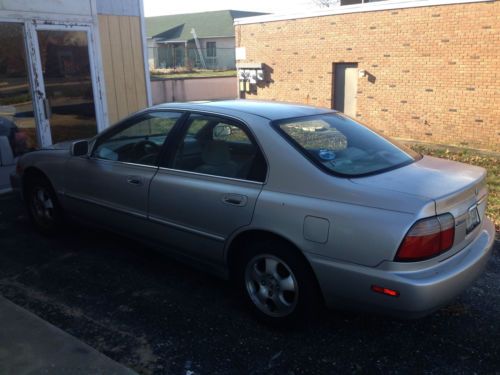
<point x="235" y="199"/>
<point x="134" y="180"/>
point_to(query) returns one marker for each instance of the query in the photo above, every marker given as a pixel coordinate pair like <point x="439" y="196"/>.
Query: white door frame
<point x="38" y="85"/>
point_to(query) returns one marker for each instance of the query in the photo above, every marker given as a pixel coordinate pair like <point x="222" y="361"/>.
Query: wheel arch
<point x="237" y="246"/>
<point x="31" y="174"/>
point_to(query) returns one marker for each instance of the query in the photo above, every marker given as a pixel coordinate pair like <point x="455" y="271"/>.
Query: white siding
<point x="67" y="7"/>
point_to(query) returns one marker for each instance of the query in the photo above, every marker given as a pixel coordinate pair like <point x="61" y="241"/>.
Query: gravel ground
<point x="158" y="316"/>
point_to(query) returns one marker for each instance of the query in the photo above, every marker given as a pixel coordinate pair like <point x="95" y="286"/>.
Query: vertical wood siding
<point x="123" y="65"/>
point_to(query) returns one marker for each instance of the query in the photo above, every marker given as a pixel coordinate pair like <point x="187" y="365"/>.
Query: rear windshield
<point x="343" y="146"/>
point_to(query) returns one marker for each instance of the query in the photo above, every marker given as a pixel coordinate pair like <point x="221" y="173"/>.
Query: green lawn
<point x="196" y="74"/>
<point x="490" y="162"/>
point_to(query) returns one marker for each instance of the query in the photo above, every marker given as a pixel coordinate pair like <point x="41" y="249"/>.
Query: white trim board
<point x="145" y="52"/>
<point x="99" y="70"/>
<point x="356" y="8"/>
<point x="15" y="16"/>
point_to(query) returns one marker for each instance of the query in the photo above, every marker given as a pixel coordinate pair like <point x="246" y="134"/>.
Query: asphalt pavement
<point x="158" y="316"/>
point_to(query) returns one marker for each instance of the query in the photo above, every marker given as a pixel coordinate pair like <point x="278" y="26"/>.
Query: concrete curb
<point x="30" y="345"/>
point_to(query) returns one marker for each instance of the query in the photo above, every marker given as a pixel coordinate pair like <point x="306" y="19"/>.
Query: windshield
<point x="343" y="146"/>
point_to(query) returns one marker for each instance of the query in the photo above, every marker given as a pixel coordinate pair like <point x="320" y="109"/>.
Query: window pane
<point x="140" y="142"/>
<point x="344" y="146"/>
<point x="211" y="49"/>
<point x="68" y="84"/>
<point x="17" y="121"/>
<point x="218" y="147"/>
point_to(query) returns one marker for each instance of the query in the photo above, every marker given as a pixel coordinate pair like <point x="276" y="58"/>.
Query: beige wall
<point x="123" y="65"/>
<point x="432" y="71"/>
<point x="182" y="90"/>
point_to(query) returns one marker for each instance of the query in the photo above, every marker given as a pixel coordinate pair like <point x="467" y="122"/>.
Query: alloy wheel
<point x="42" y="206"/>
<point x="271" y="285"/>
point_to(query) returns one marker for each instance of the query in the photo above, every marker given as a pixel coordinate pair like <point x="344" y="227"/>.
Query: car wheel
<point x="43" y="207"/>
<point x="278" y="284"/>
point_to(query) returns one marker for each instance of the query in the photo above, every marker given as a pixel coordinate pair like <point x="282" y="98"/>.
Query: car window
<point x="196" y="125"/>
<point x="219" y="147"/>
<point x="343" y="146"/>
<point x="140" y="142"/>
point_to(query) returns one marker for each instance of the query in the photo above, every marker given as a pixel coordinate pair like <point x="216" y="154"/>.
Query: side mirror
<point x="80" y="148"/>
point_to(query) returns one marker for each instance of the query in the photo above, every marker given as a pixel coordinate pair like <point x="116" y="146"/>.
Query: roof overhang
<point x="356" y="8"/>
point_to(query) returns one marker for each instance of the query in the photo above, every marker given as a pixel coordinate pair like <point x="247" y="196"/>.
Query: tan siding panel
<point x="137" y="48"/>
<point x="123" y="65"/>
<point x="128" y="64"/>
<point x="118" y="71"/>
<point x="107" y="63"/>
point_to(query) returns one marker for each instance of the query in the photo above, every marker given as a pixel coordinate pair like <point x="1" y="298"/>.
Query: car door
<point x="110" y="186"/>
<point x="207" y="186"/>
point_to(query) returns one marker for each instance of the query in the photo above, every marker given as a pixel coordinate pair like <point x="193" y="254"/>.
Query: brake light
<point x="427" y="238"/>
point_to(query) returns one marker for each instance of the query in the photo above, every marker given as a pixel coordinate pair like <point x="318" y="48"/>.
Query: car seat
<point x="216" y="159"/>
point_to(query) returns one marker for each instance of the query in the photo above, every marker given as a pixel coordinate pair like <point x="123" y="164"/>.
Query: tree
<point x="326" y="3"/>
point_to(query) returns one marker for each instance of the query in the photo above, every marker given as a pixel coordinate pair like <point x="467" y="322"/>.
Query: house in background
<point x="200" y="40"/>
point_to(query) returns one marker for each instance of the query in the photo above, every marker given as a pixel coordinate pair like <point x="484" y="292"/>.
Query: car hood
<point x="429" y="177"/>
<point x="66" y="145"/>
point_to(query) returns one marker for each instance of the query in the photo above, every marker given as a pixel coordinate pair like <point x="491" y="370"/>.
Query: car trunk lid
<point x="457" y="188"/>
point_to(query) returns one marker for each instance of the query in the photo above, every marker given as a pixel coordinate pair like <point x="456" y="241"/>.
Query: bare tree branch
<point x="326" y="3"/>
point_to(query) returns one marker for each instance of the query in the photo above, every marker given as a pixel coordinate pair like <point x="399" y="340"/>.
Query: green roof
<point x="206" y="24"/>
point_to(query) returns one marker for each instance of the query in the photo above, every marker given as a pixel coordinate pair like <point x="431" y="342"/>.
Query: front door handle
<point x="235" y="199"/>
<point x="134" y="180"/>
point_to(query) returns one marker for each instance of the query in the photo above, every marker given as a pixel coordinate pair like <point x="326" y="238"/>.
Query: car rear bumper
<point x="420" y="291"/>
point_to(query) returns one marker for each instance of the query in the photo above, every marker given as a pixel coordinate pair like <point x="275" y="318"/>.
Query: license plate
<point x="473" y="218"/>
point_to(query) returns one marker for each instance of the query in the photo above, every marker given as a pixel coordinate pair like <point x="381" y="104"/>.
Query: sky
<point x="161" y="7"/>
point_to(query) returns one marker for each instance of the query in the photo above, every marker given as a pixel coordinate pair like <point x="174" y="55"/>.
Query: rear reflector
<point x="427" y="238"/>
<point x="386" y="291"/>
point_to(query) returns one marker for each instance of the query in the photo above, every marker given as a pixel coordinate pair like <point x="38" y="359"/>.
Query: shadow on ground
<point x="158" y="316"/>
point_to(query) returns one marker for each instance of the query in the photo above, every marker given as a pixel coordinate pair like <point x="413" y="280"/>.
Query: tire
<point x="42" y="205"/>
<point x="278" y="284"/>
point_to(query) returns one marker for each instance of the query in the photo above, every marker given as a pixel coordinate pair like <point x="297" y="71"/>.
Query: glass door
<point x="67" y="100"/>
<point x="17" y="118"/>
<point x="48" y="84"/>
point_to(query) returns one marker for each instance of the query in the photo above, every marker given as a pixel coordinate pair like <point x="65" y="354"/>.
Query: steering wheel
<point x="145" y="148"/>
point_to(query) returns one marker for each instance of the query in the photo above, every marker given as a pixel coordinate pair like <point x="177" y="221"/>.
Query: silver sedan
<point x="298" y="206"/>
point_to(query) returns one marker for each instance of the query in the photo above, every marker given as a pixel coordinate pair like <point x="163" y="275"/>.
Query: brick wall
<point x="435" y="71"/>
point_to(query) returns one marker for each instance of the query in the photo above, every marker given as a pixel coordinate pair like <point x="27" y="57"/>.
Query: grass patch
<point x="490" y="162"/>
<point x="173" y="74"/>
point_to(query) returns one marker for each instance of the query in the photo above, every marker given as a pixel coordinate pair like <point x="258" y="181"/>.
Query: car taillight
<point x="427" y="238"/>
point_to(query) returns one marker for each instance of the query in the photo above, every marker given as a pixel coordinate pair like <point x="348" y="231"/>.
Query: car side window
<point x="219" y="147"/>
<point x="140" y="142"/>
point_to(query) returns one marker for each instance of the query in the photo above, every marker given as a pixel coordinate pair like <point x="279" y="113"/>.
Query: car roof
<point x="270" y="110"/>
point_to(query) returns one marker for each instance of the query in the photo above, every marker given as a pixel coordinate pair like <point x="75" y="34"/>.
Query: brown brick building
<point x="431" y="73"/>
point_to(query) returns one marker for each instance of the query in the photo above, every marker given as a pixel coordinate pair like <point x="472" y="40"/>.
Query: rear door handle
<point x="134" y="180"/>
<point x="235" y="199"/>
